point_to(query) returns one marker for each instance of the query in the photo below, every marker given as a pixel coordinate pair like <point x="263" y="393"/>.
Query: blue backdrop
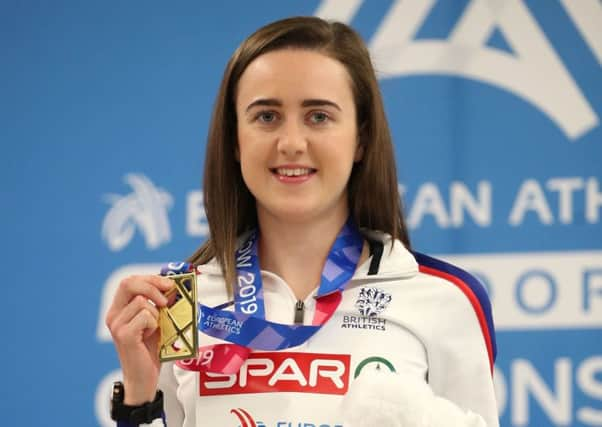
<point x="495" y="109"/>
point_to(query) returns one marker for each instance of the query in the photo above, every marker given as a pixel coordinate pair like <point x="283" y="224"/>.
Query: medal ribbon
<point x="246" y="327"/>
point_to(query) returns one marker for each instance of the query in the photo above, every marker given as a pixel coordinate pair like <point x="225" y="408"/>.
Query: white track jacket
<point x="414" y="317"/>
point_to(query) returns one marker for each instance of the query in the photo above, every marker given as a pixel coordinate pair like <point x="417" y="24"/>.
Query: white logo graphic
<point x="534" y="73"/>
<point x="372" y="301"/>
<point x="145" y="208"/>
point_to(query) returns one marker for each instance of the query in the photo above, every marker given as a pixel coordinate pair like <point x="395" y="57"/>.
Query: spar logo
<point x="144" y="209"/>
<point x="526" y="71"/>
<point x="271" y="372"/>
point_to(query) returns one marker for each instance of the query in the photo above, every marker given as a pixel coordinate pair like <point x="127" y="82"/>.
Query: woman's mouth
<point x="286" y="174"/>
<point x="293" y="171"/>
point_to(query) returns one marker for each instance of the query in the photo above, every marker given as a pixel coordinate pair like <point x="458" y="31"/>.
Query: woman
<point x="300" y="151"/>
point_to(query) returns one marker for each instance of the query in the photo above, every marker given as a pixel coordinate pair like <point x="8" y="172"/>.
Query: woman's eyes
<point x="313" y="117"/>
<point x="266" y="116"/>
<point x="318" y="117"/>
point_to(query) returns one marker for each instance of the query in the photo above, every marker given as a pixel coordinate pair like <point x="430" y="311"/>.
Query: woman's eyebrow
<point x="273" y="102"/>
<point x="269" y="102"/>
<point x="319" y="103"/>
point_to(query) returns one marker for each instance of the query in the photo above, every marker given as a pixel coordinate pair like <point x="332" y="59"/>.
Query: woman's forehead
<point x="294" y="75"/>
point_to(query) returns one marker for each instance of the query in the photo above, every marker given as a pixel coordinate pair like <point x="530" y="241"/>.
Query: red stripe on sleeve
<point x="474" y="301"/>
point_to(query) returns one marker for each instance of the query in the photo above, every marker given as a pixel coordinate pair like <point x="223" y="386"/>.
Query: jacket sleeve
<point x="172" y="406"/>
<point x="461" y="346"/>
<point x="459" y="366"/>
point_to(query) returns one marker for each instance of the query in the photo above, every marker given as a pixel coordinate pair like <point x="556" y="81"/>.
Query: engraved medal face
<point x="177" y="321"/>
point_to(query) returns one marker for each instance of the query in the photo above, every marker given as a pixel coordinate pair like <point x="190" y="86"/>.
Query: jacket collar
<point x="396" y="261"/>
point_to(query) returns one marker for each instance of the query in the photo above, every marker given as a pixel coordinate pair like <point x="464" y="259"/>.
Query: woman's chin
<point x="299" y="213"/>
<point x="293" y="215"/>
<point x="294" y="212"/>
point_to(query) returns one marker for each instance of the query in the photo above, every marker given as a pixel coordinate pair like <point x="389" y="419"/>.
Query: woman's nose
<point x="292" y="140"/>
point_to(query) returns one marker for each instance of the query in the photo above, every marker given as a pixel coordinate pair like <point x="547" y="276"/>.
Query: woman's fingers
<point x="133" y="332"/>
<point x="127" y="324"/>
<point x="150" y="287"/>
<point x="143" y="321"/>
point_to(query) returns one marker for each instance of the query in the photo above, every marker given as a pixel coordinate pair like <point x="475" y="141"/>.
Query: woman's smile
<point x="293" y="174"/>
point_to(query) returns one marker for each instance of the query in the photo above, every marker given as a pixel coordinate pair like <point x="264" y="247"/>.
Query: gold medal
<point x="177" y="321"/>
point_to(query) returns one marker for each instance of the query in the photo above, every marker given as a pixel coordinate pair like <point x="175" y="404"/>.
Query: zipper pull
<point x="299" y="311"/>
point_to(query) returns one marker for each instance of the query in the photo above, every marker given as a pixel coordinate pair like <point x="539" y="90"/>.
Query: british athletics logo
<point x="271" y="372"/>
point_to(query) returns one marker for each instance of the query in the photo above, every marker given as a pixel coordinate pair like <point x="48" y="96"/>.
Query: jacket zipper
<point x="299" y="312"/>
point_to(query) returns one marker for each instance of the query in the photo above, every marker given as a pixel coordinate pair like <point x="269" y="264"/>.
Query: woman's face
<point x="297" y="134"/>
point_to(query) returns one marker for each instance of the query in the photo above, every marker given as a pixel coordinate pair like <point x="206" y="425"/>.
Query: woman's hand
<point x="133" y="322"/>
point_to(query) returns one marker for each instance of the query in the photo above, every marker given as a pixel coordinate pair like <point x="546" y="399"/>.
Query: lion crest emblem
<point x="372" y="301"/>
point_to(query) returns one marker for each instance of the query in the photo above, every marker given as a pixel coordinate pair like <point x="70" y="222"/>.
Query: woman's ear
<point x="359" y="152"/>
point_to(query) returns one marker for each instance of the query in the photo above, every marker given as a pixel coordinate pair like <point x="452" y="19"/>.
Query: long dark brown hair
<point x="374" y="200"/>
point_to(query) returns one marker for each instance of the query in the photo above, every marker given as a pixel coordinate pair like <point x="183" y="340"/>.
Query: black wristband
<point x="134" y="415"/>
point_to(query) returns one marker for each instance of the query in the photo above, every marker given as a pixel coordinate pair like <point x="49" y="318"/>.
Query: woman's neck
<point x="297" y="252"/>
